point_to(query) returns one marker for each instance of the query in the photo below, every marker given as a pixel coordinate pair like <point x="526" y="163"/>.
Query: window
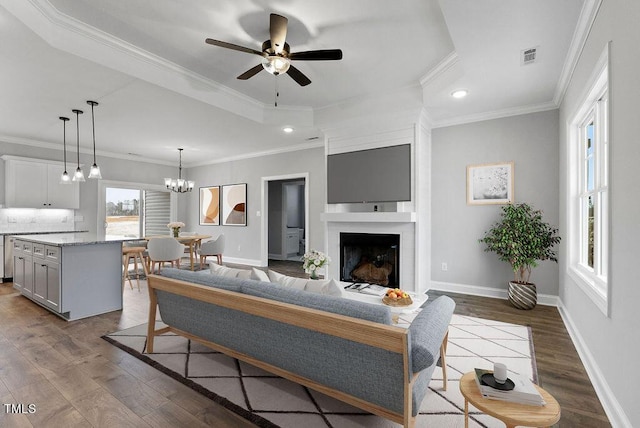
<point x="589" y="191"/>
<point x="132" y="210"/>
<point x="135" y="213"/>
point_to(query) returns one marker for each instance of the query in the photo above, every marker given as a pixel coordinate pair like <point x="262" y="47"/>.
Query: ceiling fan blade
<point x="297" y="75"/>
<point x="277" y="32"/>
<point x="251" y="72"/>
<point x="318" y="55"/>
<point x="233" y="47"/>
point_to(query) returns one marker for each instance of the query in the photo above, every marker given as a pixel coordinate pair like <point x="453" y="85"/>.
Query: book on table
<point x="524" y="391"/>
<point x="372" y="289"/>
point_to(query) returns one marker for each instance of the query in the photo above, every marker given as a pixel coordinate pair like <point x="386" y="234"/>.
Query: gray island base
<point x="74" y="275"/>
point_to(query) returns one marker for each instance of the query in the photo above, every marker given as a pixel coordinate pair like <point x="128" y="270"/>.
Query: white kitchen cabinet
<point x="35" y="183"/>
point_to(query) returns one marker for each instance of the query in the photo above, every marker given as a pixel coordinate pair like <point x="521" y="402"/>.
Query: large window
<point x="130" y="210"/>
<point x="589" y="192"/>
<point x="135" y="213"/>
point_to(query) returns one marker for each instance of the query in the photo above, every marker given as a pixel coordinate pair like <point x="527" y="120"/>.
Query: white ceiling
<point x="161" y="87"/>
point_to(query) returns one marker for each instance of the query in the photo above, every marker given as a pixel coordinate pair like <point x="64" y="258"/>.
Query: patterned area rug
<point x="270" y="401"/>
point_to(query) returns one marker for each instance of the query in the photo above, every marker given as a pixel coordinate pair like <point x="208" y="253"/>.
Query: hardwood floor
<point x="74" y="378"/>
<point x="560" y="370"/>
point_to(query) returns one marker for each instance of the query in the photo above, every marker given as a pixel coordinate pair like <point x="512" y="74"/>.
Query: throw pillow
<point x="318" y="286"/>
<point x="259" y="275"/>
<point x="228" y="272"/>
<point x="287" y="281"/>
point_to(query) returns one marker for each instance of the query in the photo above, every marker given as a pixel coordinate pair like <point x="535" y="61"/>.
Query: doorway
<point x="285" y="219"/>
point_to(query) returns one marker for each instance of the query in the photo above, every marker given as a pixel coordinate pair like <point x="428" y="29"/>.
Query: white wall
<point x="609" y="346"/>
<point x="531" y="142"/>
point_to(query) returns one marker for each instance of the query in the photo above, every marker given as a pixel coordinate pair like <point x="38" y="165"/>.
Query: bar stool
<point x="136" y="253"/>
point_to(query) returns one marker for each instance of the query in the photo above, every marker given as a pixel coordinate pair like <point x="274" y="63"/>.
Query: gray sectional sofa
<point x="347" y="349"/>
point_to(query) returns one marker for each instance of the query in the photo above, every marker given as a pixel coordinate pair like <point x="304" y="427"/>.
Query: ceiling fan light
<point x="276" y="64"/>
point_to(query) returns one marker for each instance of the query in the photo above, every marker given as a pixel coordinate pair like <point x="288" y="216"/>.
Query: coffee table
<point x="418" y="300"/>
<point x="512" y="414"/>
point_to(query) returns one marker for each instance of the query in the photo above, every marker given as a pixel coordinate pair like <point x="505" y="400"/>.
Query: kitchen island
<point x="74" y="275"/>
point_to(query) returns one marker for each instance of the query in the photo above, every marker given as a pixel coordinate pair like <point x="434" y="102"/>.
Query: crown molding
<point x="583" y="28"/>
<point x="496" y="114"/>
<point x="280" y="150"/>
<point x="87" y="151"/>
<point x="442" y="67"/>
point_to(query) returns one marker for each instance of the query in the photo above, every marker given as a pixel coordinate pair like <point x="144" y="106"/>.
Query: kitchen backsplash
<point x="36" y="220"/>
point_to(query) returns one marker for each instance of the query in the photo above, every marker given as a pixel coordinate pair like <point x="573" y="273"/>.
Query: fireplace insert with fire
<point x="370" y="258"/>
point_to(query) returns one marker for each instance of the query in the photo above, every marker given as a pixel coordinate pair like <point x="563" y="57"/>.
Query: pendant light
<point x="64" y="178"/>
<point x="78" y="175"/>
<point x="94" y="172"/>
<point x="179" y="185"/>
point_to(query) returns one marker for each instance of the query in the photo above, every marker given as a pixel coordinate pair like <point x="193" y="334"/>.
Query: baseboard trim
<point x="612" y="408"/>
<point x="496" y="293"/>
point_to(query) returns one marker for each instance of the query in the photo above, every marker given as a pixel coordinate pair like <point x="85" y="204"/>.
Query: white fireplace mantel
<point x="369" y="217"/>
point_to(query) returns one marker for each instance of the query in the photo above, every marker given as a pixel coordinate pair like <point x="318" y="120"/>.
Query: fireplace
<point x="370" y="257"/>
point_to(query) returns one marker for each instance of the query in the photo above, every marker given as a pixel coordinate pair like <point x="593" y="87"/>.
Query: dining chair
<point x="162" y="250"/>
<point x="213" y="247"/>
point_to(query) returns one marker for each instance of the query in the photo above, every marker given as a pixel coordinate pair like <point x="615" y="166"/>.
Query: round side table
<point x="512" y="414"/>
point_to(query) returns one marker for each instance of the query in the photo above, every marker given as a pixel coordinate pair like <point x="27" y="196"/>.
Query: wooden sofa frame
<point x="389" y="338"/>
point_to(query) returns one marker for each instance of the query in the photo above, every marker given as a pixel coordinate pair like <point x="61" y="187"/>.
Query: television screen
<point x="375" y="175"/>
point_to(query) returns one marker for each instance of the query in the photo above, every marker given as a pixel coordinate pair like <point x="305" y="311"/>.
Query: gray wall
<point x="612" y="342"/>
<point x="244" y="242"/>
<point x="531" y="142"/>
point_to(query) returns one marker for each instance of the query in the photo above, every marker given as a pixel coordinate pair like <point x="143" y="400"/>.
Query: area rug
<point x="270" y="401"/>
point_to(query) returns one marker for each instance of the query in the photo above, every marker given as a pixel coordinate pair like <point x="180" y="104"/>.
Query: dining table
<point x="190" y="241"/>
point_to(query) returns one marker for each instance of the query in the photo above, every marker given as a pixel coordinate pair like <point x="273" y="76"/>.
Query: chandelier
<point x="179" y="185"/>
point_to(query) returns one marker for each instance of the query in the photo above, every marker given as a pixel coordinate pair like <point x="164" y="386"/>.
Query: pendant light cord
<point x="78" y="135"/>
<point x="93" y="127"/>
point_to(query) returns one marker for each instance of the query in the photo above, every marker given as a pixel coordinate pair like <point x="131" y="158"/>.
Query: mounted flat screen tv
<point x="375" y="175"/>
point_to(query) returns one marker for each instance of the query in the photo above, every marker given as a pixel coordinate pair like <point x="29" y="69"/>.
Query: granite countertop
<point x="41" y="233"/>
<point x="67" y="239"/>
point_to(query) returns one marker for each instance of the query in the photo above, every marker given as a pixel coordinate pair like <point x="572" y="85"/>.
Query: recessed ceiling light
<point x="287" y="129"/>
<point x="459" y="93"/>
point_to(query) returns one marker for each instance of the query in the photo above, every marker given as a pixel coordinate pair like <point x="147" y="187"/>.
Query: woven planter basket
<point x="523" y="296"/>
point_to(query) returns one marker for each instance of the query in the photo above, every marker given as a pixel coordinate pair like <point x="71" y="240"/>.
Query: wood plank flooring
<point x="76" y="379"/>
<point x="560" y="370"/>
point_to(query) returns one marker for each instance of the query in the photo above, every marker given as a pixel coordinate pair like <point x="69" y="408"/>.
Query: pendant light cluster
<point x="179" y="185"/>
<point x="78" y="175"/>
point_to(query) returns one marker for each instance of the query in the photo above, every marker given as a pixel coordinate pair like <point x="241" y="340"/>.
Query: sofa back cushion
<point x="203" y="277"/>
<point x="267" y="290"/>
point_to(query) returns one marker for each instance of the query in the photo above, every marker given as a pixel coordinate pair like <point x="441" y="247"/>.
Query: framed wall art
<point x="210" y="206"/>
<point x="234" y="205"/>
<point x="490" y="183"/>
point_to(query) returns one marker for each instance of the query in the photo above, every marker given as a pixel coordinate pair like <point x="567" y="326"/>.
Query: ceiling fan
<point x="276" y="55"/>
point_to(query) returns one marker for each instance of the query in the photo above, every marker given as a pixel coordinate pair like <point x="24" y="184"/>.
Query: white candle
<point x="500" y="372"/>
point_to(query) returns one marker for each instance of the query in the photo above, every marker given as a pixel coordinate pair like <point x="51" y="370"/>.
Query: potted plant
<point x="522" y="239"/>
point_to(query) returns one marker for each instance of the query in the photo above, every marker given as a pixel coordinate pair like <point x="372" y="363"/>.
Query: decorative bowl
<point x="402" y="301"/>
